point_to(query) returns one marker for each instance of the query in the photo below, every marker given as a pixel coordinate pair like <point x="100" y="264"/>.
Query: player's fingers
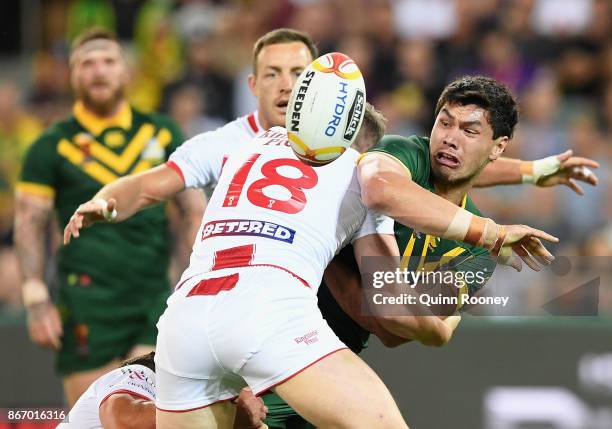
<point x="537" y="249"/>
<point x="67" y="234"/>
<point x="111" y="205"/>
<point x="526" y="257"/>
<point x="53" y="335"/>
<point x="585" y="175"/>
<point x="90" y="207"/>
<point x="73" y="226"/>
<point x="540" y="234"/>
<point x="565" y="155"/>
<point x="35" y="333"/>
<point x="579" y="161"/>
<point x="56" y="321"/>
<point x="573" y="185"/>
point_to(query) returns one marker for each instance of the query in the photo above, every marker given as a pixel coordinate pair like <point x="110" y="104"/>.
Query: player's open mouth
<point x="448" y="160"/>
<point x="282" y="105"/>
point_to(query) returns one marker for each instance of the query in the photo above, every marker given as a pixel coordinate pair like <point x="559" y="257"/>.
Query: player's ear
<point x="252" y="80"/>
<point x="498" y="147"/>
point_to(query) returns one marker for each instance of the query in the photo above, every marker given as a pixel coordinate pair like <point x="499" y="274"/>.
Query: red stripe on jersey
<point x="129" y="392"/>
<point x="253" y="122"/>
<point x="223" y="162"/>
<point x="215" y="285"/>
<point x="234" y="257"/>
<point x="176" y="168"/>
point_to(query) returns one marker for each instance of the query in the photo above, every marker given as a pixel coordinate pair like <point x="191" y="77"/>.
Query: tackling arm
<point x="191" y="204"/>
<point x="124" y="411"/>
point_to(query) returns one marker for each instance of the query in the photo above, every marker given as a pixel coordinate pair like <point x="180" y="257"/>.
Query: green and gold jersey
<point x="422" y="251"/>
<point x="73" y="159"/>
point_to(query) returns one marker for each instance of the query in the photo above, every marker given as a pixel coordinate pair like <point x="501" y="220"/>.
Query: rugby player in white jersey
<point x="125" y="398"/>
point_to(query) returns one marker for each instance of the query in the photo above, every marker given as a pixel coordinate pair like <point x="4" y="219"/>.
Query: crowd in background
<point x="191" y="58"/>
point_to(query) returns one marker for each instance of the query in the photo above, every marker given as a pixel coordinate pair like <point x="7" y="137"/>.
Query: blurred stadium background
<point x="190" y="59"/>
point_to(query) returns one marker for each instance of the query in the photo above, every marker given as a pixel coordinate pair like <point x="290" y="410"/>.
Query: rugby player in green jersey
<point x="112" y="283"/>
<point x="475" y="119"/>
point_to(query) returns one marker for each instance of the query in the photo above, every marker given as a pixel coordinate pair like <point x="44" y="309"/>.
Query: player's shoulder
<point x="238" y="130"/>
<point x="52" y="135"/>
<point x="398" y="145"/>
<point x="158" y="119"/>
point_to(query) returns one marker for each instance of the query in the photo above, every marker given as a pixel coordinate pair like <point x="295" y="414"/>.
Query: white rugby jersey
<point x="271" y="209"/>
<point x="211" y="148"/>
<point x="137" y="380"/>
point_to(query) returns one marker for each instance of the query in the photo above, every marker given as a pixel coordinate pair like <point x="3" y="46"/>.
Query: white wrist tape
<point x="34" y="292"/>
<point x="533" y="171"/>
<point x="108" y="216"/>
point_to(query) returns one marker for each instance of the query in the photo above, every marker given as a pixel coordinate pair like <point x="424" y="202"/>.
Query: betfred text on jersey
<point x="248" y="227"/>
<point x="338" y="110"/>
<point x="355" y="115"/>
<point x="299" y="101"/>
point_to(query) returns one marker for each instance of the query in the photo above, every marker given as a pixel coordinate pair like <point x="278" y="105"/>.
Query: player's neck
<point x="103" y="112"/>
<point x="452" y="192"/>
<point x="262" y="121"/>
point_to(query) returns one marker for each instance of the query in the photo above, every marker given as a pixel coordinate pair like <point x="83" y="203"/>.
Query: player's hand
<point x="45" y="325"/>
<point x="524" y="241"/>
<point x="571" y="169"/>
<point x="250" y="411"/>
<point x="87" y="214"/>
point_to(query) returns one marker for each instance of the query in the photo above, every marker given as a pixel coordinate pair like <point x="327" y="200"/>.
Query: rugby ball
<point x="325" y="109"/>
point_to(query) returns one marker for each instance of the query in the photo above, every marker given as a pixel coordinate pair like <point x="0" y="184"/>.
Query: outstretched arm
<point x="387" y="187"/>
<point x="562" y="169"/>
<point x="127" y="196"/>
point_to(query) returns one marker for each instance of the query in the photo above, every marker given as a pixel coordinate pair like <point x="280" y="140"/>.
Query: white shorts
<point x="226" y="329"/>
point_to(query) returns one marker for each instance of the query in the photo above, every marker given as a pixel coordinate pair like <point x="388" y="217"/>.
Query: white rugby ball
<point x="326" y="108"/>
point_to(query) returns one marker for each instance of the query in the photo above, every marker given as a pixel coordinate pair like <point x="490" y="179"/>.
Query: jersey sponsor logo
<point x="248" y="227"/>
<point x="299" y="101"/>
<point x="309" y="338"/>
<point x="338" y="110"/>
<point x="139" y="376"/>
<point x="355" y="114"/>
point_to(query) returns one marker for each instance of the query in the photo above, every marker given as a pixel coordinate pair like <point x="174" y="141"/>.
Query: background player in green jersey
<point x="113" y="283"/>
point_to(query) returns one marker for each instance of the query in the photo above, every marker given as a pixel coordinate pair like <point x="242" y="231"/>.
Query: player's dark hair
<point x="283" y="35"/>
<point x="147" y="360"/>
<point x="487" y="93"/>
<point x="374" y="123"/>
<point x="93" y="33"/>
